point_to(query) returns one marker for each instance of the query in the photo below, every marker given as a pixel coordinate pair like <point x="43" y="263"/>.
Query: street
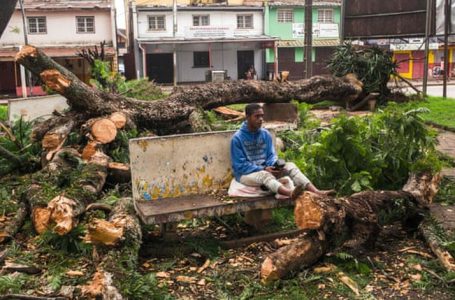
<point x="435" y="90"/>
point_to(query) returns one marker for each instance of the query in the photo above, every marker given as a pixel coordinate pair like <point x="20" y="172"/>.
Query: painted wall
<point x="224" y="57"/>
<point x="284" y="30"/>
<point x="218" y="19"/>
<point x="61" y="29"/>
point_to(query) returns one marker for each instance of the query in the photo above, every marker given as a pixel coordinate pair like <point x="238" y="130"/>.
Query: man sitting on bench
<point x="254" y="160"/>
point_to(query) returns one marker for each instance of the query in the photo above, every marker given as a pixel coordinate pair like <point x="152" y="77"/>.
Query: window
<point x="85" y="24"/>
<point x="201" y="20"/>
<point x="325" y="16"/>
<point x="201" y="59"/>
<point x="36" y="25"/>
<point x="156" y="23"/>
<point x="245" y="21"/>
<point x="285" y="15"/>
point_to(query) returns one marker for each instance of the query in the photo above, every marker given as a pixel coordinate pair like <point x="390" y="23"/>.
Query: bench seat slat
<point x="194" y="206"/>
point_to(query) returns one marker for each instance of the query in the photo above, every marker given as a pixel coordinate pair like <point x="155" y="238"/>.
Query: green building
<point x="285" y="20"/>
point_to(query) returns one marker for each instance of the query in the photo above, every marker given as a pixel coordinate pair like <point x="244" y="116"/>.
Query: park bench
<point x="186" y="176"/>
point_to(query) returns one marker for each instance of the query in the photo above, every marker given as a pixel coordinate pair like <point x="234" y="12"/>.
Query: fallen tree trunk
<point x="168" y="115"/>
<point x="350" y="222"/>
<point x="117" y="244"/>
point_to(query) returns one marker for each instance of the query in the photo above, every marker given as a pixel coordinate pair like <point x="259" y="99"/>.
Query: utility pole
<point x="25" y="73"/>
<point x="308" y="39"/>
<point x="427" y="46"/>
<point x="174" y="33"/>
<point x="446" y="46"/>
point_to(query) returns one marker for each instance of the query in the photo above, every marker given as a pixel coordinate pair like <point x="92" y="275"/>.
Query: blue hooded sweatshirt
<point x="251" y="151"/>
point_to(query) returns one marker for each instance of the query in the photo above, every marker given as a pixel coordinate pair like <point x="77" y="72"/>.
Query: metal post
<point x="275" y="59"/>
<point x="25" y="73"/>
<point x="308" y="40"/>
<point x="174" y="32"/>
<point x="427" y="46"/>
<point x="446" y="47"/>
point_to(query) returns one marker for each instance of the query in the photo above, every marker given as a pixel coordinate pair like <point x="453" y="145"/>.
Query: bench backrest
<point x="180" y="165"/>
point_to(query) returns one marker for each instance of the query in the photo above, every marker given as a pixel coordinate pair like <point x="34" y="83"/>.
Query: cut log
<point x="167" y="116"/>
<point x="119" y="119"/>
<point x="229" y="113"/>
<point x="90" y="149"/>
<point x="57" y="136"/>
<point x="103" y="131"/>
<point x="118" y="173"/>
<point x="350" y="222"/>
<point x="122" y="220"/>
<point x="13" y="226"/>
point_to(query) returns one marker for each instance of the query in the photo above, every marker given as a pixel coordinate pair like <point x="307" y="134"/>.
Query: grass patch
<point x="3" y="112"/>
<point x="441" y="110"/>
<point x="446" y="193"/>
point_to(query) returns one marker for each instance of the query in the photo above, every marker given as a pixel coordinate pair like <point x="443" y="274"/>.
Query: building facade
<point x="285" y="20"/>
<point x="224" y="38"/>
<point x="60" y="28"/>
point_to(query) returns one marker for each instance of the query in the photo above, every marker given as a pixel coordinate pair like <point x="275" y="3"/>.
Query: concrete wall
<point x="61" y="29"/>
<point x="36" y="107"/>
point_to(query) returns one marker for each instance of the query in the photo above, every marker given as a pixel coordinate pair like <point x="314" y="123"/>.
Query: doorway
<point x="160" y="67"/>
<point x="245" y="59"/>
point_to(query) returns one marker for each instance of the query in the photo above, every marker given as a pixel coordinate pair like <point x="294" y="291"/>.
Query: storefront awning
<point x="64" y="52"/>
<point x="262" y="38"/>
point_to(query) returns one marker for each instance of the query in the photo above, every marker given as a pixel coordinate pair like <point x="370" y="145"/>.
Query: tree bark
<point x="350" y="222"/>
<point x="8" y="7"/>
<point x="162" y="116"/>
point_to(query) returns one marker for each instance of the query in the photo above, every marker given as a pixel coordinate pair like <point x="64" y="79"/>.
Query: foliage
<point x="375" y="152"/>
<point x="105" y="79"/>
<point x="69" y="243"/>
<point x="118" y="149"/>
<point x="142" y="89"/>
<point x="17" y="140"/>
<point x="109" y="81"/>
<point x="3" y="112"/>
<point x="11" y="284"/>
<point x="373" y="66"/>
<point x="138" y="286"/>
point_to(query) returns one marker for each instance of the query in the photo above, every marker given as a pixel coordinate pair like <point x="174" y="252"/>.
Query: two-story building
<point x="187" y="43"/>
<point x="285" y="20"/>
<point x="60" y="28"/>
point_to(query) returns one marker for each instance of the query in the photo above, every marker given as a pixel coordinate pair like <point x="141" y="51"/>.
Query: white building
<point x="211" y="37"/>
<point x="60" y="28"/>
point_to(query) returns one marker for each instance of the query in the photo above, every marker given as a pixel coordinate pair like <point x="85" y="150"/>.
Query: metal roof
<point x="65" y="4"/>
<point x="302" y="3"/>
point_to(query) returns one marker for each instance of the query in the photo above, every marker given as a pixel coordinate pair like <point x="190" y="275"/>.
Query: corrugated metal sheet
<point x="384" y="19"/>
<point x="316" y="43"/>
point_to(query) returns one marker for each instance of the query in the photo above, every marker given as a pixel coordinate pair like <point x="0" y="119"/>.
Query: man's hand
<point x="273" y="171"/>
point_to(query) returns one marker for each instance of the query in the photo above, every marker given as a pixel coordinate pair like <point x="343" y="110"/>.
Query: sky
<point x="120" y="13"/>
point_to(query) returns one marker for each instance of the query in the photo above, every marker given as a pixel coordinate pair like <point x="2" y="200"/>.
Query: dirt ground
<point x="400" y="266"/>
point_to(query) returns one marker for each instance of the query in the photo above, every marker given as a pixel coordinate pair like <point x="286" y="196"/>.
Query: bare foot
<point x="298" y="190"/>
